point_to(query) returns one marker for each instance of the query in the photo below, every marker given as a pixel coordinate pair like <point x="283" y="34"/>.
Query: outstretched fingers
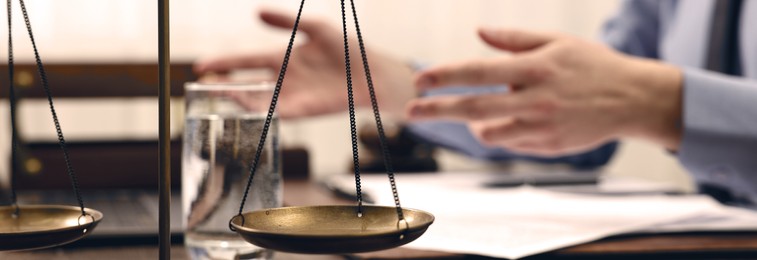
<point x="515" y="40"/>
<point x="466" y="107"/>
<point x="285" y="20"/>
<point x="515" y="70"/>
<point x="509" y="131"/>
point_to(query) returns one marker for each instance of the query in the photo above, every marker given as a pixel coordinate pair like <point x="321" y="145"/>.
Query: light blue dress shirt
<point x="719" y="145"/>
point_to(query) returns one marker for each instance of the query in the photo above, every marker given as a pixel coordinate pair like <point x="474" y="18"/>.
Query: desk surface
<point x="736" y="245"/>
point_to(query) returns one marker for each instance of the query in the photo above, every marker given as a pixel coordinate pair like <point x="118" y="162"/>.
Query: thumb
<point x="515" y="40"/>
<point x="286" y="20"/>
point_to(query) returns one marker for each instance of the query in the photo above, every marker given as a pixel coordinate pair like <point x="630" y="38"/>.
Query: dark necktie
<point x="724" y="55"/>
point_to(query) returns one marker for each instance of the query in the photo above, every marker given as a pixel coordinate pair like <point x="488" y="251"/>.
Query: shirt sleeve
<point x="719" y="145"/>
<point x="635" y="28"/>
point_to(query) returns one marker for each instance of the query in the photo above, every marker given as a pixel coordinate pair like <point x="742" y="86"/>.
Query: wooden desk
<point x="726" y="245"/>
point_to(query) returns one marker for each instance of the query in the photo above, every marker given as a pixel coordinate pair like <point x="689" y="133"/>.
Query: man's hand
<point x="315" y="82"/>
<point x="567" y="95"/>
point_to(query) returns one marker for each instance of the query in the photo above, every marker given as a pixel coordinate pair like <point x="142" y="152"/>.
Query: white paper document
<point x="522" y="221"/>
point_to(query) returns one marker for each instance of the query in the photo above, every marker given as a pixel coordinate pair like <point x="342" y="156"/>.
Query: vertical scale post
<point x="164" y="109"/>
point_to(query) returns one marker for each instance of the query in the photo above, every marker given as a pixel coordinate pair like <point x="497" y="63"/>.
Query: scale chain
<point x="377" y="117"/>
<point x="271" y="109"/>
<point x="353" y="128"/>
<point x="12" y="101"/>
<point x="43" y="77"/>
<point x="351" y="101"/>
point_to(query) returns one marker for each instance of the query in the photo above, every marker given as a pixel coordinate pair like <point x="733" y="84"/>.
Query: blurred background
<point x="425" y="31"/>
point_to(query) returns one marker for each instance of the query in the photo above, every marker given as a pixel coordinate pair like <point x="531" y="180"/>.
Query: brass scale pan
<point x="40" y="226"/>
<point x="331" y="229"/>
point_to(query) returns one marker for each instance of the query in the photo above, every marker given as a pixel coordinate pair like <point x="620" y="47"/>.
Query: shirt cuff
<point x="719" y="144"/>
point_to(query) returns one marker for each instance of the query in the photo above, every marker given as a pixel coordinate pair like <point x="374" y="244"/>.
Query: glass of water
<point x="222" y="131"/>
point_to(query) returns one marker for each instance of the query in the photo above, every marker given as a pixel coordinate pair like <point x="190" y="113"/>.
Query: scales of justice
<point x="323" y="229"/>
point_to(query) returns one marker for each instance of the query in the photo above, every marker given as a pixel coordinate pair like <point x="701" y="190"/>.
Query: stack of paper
<point x="518" y="222"/>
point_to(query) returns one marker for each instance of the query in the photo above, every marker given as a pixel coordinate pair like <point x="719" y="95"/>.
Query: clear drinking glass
<point x="224" y="122"/>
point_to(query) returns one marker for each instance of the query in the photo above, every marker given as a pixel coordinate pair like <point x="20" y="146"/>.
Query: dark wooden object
<point x="121" y="164"/>
<point x="95" y="80"/>
<point x="99" y="165"/>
